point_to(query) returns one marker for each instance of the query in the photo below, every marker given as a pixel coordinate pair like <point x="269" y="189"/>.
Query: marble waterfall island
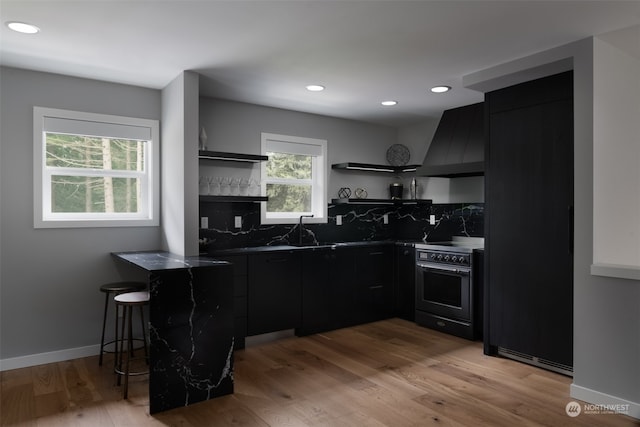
<point x="191" y="327"/>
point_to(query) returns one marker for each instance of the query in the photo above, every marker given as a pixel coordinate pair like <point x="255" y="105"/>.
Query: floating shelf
<point x="233" y="198"/>
<point x="231" y="157"/>
<point x="374" y="168"/>
<point x="381" y="201"/>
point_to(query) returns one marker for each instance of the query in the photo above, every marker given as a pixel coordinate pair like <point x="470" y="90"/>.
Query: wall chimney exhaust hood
<point x="457" y="148"/>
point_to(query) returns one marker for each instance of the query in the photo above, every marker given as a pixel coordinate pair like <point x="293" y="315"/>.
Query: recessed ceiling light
<point x="315" y="88"/>
<point x="389" y="103"/>
<point x="440" y="89"/>
<point x="23" y="27"/>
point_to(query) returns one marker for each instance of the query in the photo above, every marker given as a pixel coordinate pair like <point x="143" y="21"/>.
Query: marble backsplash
<point x="359" y="223"/>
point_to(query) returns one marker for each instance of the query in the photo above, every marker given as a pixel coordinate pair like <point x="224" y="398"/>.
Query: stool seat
<point x="132" y="298"/>
<point x="109" y="289"/>
<point x="123" y="287"/>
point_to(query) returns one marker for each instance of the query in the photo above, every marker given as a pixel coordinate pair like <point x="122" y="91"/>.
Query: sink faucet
<point x="300" y="227"/>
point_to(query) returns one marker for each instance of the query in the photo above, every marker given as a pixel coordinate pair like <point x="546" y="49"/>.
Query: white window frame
<point x="92" y="124"/>
<point x="315" y="147"/>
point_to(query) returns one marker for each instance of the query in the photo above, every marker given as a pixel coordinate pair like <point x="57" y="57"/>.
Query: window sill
<point x="616" y="270"/>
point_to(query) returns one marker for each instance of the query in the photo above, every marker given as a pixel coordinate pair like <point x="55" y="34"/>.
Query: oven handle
<point x="465" y="271"/>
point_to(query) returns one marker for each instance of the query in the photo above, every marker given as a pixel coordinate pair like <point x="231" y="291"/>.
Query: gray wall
<point x="179" y="164"/>
<point x="236" y="127"/>
<point x="49" y="278"/>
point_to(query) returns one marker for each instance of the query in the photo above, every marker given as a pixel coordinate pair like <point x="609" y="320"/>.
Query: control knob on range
<point x="446" y="258"/>
<point x="454" y="258"/>
<point x="439" y="258"/>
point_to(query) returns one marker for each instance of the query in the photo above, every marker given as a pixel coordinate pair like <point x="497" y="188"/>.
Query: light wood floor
<point x="390" y="373"/>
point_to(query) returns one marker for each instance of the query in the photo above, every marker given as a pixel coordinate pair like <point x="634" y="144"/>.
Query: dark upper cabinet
<point x="274" y="292"/>
<point x="529" y="201"/>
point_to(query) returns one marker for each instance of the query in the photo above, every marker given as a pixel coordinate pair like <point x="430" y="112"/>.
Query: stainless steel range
<point x="445" y="294"/>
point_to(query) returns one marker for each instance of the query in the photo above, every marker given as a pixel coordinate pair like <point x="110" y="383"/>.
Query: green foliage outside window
<point x="93" y="192"/>
<point x="294" y="194"/>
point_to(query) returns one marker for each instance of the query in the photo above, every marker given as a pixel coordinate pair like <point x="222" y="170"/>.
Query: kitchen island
<point x="191" y="328"/>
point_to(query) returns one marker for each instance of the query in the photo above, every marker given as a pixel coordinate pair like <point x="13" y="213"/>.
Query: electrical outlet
<point x="338" y="219"/>
<point x="238" y="222"/>
<point x="432" y="219"/>
<point x="385" y="218"/>
<point x="204" y="222"/>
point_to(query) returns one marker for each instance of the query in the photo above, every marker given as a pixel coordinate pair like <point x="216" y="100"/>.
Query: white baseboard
<point x="50" y="357"/>
<point x="598" y="398"/>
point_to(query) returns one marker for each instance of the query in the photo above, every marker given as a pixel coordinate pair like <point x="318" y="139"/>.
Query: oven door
<point x="443" y="290"/>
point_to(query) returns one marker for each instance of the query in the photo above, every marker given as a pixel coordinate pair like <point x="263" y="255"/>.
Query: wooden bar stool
<point x="128" y="301"/>
<point x="110" y="290"/>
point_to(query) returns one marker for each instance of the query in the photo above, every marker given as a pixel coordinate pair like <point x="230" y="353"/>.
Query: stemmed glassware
<point x="228" y="186"/>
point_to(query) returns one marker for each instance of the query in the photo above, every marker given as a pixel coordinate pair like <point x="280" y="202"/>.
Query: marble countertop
<point x="259" y="249"/>
<point x="162" y="260"/>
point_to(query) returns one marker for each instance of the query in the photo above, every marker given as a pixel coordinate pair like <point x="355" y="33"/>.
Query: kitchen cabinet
<point x="240" y="280"/>
<point x="274" y="292"/>
<point x="328" y="294"/>
<point x="404" y="283"/>
<point x="478" y="293"/>
<point x="529" y="205"/>
<point x="374" y="282"/>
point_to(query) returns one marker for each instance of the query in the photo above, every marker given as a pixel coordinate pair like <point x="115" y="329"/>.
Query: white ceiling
<point x="265" y="51"/>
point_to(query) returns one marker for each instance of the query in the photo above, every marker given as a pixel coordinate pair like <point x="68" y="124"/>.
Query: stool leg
<point x="115" y="353"/>
<point x="129" y="352"/>
<point x="104" y="323"/>
<point x="122" y="349"/>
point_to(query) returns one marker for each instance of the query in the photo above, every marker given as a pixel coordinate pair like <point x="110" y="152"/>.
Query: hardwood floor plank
<point x="17" y="404"/>
<point x="47" y="379"/>
<point x="391" y="373"/>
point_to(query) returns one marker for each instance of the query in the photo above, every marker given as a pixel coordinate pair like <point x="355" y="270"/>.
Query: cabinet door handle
<point x="376" y="287"/>
<point x="375" y="253"/>
<point x="276" y="259"/>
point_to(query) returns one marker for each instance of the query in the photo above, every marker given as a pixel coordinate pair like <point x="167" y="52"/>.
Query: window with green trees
<point x="294" y="178"/>
<point x="78" y="181"/>
<point x="94" y="170"/>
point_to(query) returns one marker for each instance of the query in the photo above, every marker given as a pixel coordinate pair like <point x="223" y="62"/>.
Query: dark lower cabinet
<point x="529" y="207"/>
<point x="239" y="264"/>
<point x="374" y="283"/>
<point x="314" y="290"/>
<point x="328" y="295"/>
<point x="404" y="283"/>
<point x="274" y="292"/>
<point x="346" y="286"/>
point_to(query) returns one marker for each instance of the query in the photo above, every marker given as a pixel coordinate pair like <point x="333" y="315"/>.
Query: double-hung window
<point x="94" y="170"/>
<point x="294" y="179"/>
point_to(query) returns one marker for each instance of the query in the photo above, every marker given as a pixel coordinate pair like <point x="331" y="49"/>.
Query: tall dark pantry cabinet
<point x="529" y="225"/>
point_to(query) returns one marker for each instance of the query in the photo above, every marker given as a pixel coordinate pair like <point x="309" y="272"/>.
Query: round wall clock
<point x="398" y="155"/>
